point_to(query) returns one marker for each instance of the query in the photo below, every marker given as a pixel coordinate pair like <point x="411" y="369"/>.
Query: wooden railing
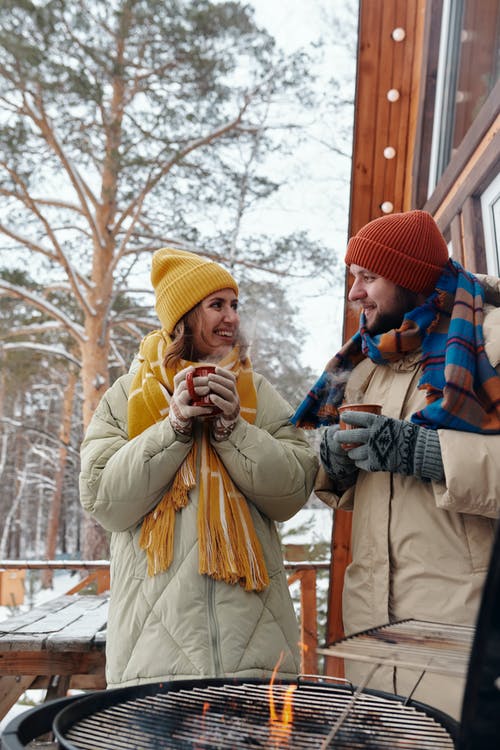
<point x="304" y="572"/>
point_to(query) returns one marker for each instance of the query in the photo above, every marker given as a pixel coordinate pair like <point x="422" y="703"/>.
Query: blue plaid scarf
<point x="462" y="388"/>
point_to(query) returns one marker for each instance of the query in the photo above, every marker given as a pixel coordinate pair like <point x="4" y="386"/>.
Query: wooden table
<point x="58" y="645"/>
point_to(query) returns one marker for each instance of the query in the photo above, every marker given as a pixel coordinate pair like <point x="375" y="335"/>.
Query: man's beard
<point x="388" y="321"/>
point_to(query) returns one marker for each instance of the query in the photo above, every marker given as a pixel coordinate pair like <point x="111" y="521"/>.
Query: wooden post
<point x="308" y="619"/>
<point x="309" y="622"/>
<point x="341" y="557"/>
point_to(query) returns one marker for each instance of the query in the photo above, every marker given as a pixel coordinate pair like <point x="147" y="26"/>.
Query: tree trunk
<point x="55" y="508"/>
<point x="95" y="381"/>
<point x="9" y="520"/>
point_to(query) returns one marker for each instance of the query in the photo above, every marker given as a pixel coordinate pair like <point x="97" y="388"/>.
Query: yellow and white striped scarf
<point x="229" y="549"/>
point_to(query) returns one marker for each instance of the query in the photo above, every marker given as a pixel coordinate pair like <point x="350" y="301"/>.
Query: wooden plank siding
<point x="384" y="64"/>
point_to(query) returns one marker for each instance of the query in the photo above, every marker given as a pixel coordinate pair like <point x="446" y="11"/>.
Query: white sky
<point x="318" y="201"/>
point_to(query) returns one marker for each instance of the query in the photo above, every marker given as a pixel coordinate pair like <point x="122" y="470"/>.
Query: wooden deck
<point x="58" y="645"/>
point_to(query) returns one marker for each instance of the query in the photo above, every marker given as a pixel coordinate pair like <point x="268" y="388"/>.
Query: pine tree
<point x="126" y="126"/>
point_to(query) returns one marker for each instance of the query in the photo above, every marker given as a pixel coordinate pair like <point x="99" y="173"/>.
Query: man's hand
<point x="336" y="461"/>
<point x="395" y="445"/>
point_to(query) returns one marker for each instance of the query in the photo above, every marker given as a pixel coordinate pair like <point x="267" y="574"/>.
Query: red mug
<point x="200" y="372"/>
<point x="372" y="408"/>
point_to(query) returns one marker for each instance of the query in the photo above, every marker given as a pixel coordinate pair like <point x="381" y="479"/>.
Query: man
<point x="423" y="481"/>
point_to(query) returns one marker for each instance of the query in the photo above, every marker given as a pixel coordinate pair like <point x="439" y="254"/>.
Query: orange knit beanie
<point x="181" y="280"/>
<point x="407" y="249"/>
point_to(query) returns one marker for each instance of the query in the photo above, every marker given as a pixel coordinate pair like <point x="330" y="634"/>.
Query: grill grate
<point x="236" y="715"/>
<point x="417" y="644"/>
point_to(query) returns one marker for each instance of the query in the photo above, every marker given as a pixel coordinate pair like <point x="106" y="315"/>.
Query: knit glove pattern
<point x="393" y="445"/>
<point x="336" y="461"/>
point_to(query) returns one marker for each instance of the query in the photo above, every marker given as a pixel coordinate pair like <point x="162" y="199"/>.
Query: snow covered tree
<point x="125" y="126"/>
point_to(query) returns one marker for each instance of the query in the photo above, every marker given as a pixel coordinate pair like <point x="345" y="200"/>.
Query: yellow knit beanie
<point x="181" y="280"/>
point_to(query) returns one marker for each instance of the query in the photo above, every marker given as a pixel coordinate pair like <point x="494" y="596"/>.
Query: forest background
<point x="127" y="126"/>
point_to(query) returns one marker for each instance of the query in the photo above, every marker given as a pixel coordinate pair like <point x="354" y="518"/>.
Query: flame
<point x="280" y="726"/>
<point x="204" y="711"/>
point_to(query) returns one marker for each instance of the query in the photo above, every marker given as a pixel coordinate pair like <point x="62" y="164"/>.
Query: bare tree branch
<point x="42" y="348"/>
<point x="74" y="329"/>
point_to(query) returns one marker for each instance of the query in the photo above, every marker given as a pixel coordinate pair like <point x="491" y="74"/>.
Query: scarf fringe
<point x="229" y="549"/>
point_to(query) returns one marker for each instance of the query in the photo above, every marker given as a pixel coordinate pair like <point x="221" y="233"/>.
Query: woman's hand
<point x="224" y="395"/>
<point x="182" y="412"/>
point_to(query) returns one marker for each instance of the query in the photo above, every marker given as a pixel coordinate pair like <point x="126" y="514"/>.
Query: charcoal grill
<point x="234" y="715"/>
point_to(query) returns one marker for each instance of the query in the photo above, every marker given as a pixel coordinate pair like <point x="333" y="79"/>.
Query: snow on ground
<point x="63" y="581"/>
<point x="308" y="526"/>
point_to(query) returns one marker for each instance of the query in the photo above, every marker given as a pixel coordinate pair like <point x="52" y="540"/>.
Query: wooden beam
<point x="483" y="164"/>
<point x="308" y="618"/>
<point x="309" y="622"/>
<point x="341" y="557"/>
<point x="473" y="236"/>
<point x="11" y="689"/>
<point x="15" y="663"/>
<point x="456" y="240"/>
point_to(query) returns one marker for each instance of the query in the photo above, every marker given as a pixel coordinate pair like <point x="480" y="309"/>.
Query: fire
<point x="204" y="711"/>
<point x="280" y="726"/>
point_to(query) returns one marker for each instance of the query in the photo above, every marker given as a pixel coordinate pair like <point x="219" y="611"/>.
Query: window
<point x="468" y="68"/>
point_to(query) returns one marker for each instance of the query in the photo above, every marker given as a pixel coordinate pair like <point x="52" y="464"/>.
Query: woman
<point x="191" y="493"/>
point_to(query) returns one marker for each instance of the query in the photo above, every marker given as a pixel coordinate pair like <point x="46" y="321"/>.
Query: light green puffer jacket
<point x="179" y="624"/>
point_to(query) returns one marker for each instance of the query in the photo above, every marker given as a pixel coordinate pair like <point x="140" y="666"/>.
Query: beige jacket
<point x="179" y="624"/>
<point x="421" y="549"/>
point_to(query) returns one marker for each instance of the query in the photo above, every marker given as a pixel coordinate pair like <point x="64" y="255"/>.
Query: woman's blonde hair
<point x="182" y="346"/>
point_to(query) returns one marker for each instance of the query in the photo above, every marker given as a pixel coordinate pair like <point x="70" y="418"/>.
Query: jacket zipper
<point x="213" y="623"/>
<point x="213" y="627"/>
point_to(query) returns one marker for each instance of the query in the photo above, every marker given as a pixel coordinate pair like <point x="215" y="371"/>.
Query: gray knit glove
<point x="393" y="445"/>
<point x="336" y="462"/>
